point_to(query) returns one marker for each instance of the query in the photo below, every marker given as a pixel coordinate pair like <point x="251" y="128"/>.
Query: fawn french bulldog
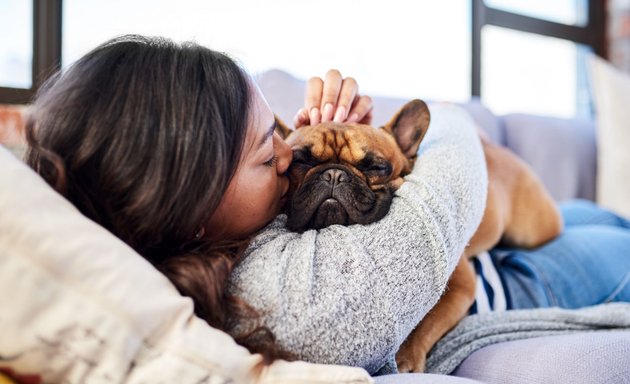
<point x="347" y="174"/>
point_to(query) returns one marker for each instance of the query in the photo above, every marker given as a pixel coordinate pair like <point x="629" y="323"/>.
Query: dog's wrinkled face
<point x="347" y="173"/>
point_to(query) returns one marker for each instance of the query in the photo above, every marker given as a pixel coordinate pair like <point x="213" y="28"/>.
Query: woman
<point x="172" y="149"/>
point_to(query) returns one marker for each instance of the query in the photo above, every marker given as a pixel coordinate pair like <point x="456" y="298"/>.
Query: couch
<point x="86" y="309"/>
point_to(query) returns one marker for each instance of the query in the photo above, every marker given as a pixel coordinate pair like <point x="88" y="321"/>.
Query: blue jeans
<point x="588" y="264"/>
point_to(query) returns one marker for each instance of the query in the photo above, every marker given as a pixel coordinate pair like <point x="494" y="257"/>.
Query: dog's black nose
<point x="335" y="176"/>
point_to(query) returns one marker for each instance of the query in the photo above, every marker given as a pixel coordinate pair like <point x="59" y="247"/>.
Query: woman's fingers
<point x="330" y="94"/>
<point x="361" y="110"/>
<point x="333" y="99"/>
<point x="301" y="118"/>
<point x="313" y="99"/>
<point x="348" y="92"/>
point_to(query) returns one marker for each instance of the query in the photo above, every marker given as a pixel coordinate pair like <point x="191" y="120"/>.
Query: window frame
<point x="46" y="50"/>
<point x="47" y="28"/>
<point x="593" y="34"/>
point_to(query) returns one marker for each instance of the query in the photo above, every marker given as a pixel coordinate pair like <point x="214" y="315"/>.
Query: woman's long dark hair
<point x="143" y="136"/>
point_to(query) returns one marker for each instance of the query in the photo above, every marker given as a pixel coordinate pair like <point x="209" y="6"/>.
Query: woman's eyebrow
<point x="267" y="135"/>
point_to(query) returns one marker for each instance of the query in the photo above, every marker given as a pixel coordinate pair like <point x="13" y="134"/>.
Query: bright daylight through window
<point x="400" y="48"/>
<point x="16" y="43"/>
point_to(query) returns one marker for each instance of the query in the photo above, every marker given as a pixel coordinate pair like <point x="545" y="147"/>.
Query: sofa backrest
<point x="561" y="151"/>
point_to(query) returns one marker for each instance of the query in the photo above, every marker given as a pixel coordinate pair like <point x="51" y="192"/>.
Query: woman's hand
<point x="334" y="99"/>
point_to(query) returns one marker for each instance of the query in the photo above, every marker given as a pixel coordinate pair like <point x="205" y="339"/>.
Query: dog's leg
<point x="451" y="308"/>
<point x="519" y="209"/>
<point x="534" y="218"/>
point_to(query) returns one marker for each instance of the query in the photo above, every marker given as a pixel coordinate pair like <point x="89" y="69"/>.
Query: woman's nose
<point x="284" y="154"/>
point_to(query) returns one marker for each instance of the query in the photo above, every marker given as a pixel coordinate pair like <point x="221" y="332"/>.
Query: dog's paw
<point x="409" y="361"/>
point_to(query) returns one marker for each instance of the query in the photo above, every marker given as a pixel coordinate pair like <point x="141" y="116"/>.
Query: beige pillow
<point x="612" y="103"/>
<point x="78" y="305"/>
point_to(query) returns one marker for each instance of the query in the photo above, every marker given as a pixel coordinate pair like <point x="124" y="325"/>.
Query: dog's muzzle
<point x="334" y="195"/>
<point x="331" y="211"/>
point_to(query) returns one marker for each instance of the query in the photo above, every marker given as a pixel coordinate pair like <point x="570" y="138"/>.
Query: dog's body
<point x="347" y="174"/>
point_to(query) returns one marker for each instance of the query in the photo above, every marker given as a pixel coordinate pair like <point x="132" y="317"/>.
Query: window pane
<point x="402" y="48"/>
<point x="571" y="12"/>
<point x="524" y="72"/>
<point x="16" y="43"/>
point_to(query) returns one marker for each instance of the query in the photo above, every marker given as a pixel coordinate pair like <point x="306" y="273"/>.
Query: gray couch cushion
<point x="284" y="93"/>
<point x="561" y="151"/>
<point x="595" y="357"/>
<point x="487" y="120"/>
<point x="422" y="378"/>
<point x="590" y="357"/>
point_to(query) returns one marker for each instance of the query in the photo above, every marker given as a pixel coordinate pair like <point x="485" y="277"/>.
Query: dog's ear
<point x="409" y="126"/>
<point x="282" y="128"/>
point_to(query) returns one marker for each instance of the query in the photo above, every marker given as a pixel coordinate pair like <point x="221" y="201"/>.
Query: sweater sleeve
<point x="351" y="295"/>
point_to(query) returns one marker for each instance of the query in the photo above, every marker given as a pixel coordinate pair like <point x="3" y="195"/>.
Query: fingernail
<point x="327" y="114"/>
<point x="314" y="115"/>
<point x="353" y="118"/>
<point x="340" y="115"/>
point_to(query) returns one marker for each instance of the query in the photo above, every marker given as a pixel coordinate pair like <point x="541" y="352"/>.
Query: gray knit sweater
<point x="351" y="295"/>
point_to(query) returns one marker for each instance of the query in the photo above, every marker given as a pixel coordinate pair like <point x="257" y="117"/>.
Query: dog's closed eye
<point x="303" y="158"/>
<point x="373" y="165"/>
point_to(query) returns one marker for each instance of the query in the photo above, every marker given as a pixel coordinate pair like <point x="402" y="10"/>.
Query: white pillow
<point x="78" y="305"/>
<point x="612" y="101"/>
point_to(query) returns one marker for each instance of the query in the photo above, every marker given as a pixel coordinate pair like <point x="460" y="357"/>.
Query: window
<point x="29" y="46"/>
<point x="523" y="62"/>
<point x="401" y="48"/>
<point x="571" y="12"/>
<point x="16" y="43"/>
<point x="526" y="72"/>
